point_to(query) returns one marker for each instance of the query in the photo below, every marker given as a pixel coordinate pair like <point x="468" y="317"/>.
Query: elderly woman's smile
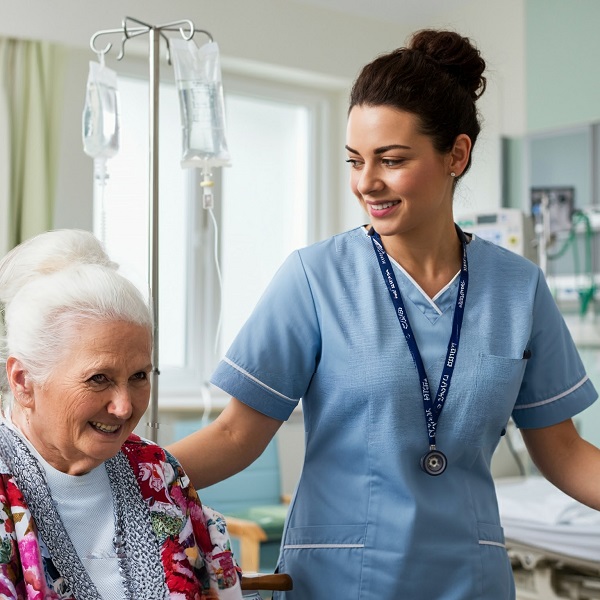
<point x="105" y="428"/>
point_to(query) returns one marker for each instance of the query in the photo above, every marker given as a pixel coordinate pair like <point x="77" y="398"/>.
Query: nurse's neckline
<point x="431" y="278"/>
<point x="468" y="236"/>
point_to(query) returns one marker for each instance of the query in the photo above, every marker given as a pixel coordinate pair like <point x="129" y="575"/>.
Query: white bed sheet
<point x="536" y="513"/>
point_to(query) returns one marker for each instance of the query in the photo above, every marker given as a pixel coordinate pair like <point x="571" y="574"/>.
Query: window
<point x="265" y="199"/>
<point x="265" y="207"/>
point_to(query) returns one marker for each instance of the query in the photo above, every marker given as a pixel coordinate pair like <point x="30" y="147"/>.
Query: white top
<point x="85" y="505"/>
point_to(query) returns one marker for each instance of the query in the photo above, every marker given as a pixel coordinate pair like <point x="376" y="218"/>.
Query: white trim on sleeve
<point x="246" y="374"/>
<point x="558" y="397"/>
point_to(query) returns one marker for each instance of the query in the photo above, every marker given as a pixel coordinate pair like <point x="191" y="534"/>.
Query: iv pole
<point x="155" y="33"/>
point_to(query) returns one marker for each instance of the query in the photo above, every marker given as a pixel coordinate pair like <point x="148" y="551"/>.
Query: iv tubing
<point x="207" y="404"/>
<point x="100" y="176"/>
<point x="218" y="268"/>
<point x="207" y="185"/>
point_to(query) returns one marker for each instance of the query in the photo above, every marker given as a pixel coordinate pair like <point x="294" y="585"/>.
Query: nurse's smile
<point x="381" y="209"/>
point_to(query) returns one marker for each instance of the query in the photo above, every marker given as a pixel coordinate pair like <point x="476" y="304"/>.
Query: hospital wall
<point x="563" y="50"/>
<point x="562" y="89"/>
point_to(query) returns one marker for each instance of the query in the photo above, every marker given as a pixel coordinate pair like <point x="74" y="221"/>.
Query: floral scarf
<point x="192" y="540"/>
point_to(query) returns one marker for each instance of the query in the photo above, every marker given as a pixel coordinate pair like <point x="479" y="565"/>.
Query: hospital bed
<point x="552" y="540"/>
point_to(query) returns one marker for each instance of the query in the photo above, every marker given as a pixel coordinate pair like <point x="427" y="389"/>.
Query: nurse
<point x="411" y="344"/>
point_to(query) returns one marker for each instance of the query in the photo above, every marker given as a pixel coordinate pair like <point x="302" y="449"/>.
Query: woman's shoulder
<point x="136" y="442"/>
<point x="325" y="261"/>
<point x="141" y="450"/>
<point x="485" y="251"/>
<point x="341" y="246"/>
<point x="153" y="466"/>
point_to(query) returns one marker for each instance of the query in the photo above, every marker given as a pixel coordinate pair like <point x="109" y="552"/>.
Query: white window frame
<point x="182" y="388"/>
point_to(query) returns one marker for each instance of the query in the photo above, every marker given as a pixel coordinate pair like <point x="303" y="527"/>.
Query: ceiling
<point x="410" y="13"/>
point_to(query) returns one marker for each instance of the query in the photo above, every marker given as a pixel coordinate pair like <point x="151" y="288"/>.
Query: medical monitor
<point x="561" y="204"/>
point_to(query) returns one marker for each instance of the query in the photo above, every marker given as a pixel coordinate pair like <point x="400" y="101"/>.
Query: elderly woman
<point x="90" y="510"/>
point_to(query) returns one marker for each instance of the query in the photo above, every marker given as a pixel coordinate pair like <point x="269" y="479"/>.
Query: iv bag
<point x="202" y="108"/>
<point x="100" y="121"/>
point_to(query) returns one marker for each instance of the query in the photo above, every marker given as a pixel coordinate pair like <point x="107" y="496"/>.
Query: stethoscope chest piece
<point x="434" y="462"/>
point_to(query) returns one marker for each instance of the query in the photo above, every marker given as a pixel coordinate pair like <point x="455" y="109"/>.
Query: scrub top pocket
<point x="495" y="582"/>
<point x="497" y="380"/>
<point x="329" y="555"/>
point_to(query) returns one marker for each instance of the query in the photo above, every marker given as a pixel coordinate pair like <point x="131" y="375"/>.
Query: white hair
<point x="50" y="285"/>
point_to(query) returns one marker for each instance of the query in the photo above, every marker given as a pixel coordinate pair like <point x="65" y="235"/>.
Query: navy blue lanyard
<point x="433" y="408"/>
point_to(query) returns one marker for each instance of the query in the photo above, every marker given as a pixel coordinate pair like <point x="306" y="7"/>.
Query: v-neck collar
<point x="434" y="307"/>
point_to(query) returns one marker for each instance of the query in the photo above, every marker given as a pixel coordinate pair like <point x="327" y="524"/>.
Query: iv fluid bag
<point x="202" y="108"/>
<point x="100" y="120"/>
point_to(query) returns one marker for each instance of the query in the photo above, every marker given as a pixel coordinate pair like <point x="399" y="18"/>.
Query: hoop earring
<point x="453" y="174"/>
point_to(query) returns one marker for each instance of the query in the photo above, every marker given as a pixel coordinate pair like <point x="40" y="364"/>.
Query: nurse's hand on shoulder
<point x="567" y="460"/>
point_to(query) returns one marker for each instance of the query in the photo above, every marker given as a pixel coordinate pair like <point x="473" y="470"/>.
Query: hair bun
<point x="454" y="54"/>
<point x="46" y="253"/>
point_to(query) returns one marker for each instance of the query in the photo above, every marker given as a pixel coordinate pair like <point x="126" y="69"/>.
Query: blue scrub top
<point x="365" y="521"/>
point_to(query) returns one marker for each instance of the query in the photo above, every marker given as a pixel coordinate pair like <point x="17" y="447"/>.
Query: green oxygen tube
<point x="586" y="292"/>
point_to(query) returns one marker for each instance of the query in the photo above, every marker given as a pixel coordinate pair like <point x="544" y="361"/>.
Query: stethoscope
<point x="433" y="462"/>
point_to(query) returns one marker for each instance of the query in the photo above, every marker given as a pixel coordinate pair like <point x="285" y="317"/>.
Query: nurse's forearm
<point x="568" y="461"/>
<point x="228" y="445"/>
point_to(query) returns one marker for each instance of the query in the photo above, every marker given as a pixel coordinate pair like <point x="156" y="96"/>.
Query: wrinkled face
<point x="97" y="394"/>
<point x="400" y="179"/>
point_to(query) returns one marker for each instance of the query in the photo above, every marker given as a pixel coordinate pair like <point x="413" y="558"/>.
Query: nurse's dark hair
<point x="438" y="77"/>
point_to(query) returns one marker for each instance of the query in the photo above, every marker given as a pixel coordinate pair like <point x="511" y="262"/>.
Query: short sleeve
<point x="271" y="362"/>
<point x="555" y="385"/>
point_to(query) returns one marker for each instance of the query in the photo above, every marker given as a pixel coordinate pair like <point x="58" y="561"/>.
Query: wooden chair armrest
<point x="250" y="535"/>
<point x="262" y="581"/>
<point x="242" y="528"/>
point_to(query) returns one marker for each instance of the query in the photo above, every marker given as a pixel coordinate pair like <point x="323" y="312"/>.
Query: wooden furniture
<point x="279" y="582"/>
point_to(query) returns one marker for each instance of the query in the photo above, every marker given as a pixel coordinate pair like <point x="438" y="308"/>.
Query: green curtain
<point x="32" y="79"/>
<point x="4" y="167"/>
